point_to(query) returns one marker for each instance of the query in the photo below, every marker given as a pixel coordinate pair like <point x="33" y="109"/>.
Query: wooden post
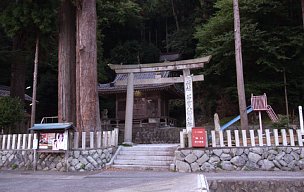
<point x="98" y="139"/>
<point x="83" y="139"/>
<point x="221" y="138"/>
<point x="35" y="155"/>
<point x="189" y="134"/>
<point x="276" y="137"/>
<point x="182" y="139"/>
<point x="19" y="141"/>
<point x="268" y="141"/>
<point x="252" y="139"/>
<point x="3" y="142"/>
<point x="29" y="141"/>
<point x="213" y="138"/>
<point x="301" y="117"/>
<point x="129" y="110"/>
<point x="116" y="136"/>
<point x="291" y="136"/>
<point x="237" y="138"/>
<point x="91" y="140"/>
<point x="244" y="136"/>
<point x="284" y="137"/>
<point x="24" y="141"/>
<point x="300" y="140"/>
<point x="76" y="140"/>
<point x="239" y="66"/>
<point x="14" y="142"/>
<point x="8" y="146"/>
<point x="260" y="134"/>
<point x="229" y="138"/>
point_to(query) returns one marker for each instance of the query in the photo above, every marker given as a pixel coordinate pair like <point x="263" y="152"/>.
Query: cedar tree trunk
<point x="18" y="70"/>
<point x="87" y="102"/>
<point x="67" y="63"/>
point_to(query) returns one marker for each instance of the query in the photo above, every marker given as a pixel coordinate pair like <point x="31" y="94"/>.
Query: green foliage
<point x="117" y="12"/>
<point x="134" y="52"/>
<point x="272" y="40"/>
<point x="14" y="166"/>
<point x="282" y="123"/>
<point x="11" y="111"/>
<point x="35" y="16"/>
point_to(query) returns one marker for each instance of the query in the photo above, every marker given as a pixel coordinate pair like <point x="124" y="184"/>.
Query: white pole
<point x="301" y="119"/>
<point x="260" y="120"/>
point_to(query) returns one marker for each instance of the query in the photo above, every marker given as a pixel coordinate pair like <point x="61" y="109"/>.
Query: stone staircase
<point x="146" y="157"/>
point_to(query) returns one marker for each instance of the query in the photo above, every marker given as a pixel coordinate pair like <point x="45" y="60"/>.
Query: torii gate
<point x="187" y="78"/>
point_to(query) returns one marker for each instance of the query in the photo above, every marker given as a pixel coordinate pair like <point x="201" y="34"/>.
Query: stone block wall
<point x="87" y="160"/>
<point x="230" y="159"/>
<point x="78" y="160"/>
<point x="16" y="159"/>
<point x="293" y="185"/>
<point x="150" y="135"/>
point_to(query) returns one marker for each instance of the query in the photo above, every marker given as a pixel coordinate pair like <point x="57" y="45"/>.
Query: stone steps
<point x="145" y="157"/>
<point x="137" y="157"/>
<point x="142" y="162"/>
<point x="148" y="153"/>
<point x="142" y="167"/>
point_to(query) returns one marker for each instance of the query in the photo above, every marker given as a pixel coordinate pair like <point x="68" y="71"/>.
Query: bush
<point x="282" y="123"/>
<point x="11" y="112"/>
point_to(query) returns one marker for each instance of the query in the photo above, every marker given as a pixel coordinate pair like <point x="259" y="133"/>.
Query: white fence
<point x="236" y="138"/>
<point x="82" y="140"/>
<point x="244" y="138"/>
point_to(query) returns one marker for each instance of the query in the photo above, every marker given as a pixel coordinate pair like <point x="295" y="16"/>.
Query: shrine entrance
<point x="157" y="70"/>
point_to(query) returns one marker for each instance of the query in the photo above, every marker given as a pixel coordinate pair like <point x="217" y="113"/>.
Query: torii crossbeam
<point x="187" y="78"/>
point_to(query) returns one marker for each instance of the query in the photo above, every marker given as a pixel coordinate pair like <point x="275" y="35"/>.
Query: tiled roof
<point x="5" y="92"/>
<point x="110" y="88"/>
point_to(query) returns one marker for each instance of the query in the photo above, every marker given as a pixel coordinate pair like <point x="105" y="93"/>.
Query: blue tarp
<point x="52" y="126"/>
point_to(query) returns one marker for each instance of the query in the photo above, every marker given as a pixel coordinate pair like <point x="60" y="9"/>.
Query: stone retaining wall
<point x="78" y="160"/>
<point x="150" y="135"/>
<point x="257" y="185"/>
<point x="229" y="159"/>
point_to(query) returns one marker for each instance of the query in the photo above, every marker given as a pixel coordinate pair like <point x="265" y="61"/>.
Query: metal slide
<point x="248" y="110"/>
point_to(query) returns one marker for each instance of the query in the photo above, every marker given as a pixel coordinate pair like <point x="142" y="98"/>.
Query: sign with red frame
<point x="198" y="137"/>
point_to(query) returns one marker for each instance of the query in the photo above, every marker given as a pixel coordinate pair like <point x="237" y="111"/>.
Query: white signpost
<point x="301" y="119"/>
<point x="189" y="103"/>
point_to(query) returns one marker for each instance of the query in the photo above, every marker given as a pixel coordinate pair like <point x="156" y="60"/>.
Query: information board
<point x="198" y="137"/>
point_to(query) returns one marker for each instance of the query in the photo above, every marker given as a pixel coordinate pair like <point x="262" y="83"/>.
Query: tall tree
<point x="67" y="63"/>
<point x="302" y="5"/>
<point x="239" y="66"/>
<point x="87" y="103"/>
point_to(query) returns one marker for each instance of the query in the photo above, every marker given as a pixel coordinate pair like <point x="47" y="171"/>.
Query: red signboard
<point x="198" y="137"/>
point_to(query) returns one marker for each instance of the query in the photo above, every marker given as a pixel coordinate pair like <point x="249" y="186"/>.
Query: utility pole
<point x="239" y="66"/>
<point x="286" y="98"/>
<point x="35" y="84"/>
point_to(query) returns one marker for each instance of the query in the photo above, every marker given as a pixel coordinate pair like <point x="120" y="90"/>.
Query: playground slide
<point x="249" y="109"/>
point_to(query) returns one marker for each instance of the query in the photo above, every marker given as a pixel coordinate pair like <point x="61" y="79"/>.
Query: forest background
<point x="138" y="31"/>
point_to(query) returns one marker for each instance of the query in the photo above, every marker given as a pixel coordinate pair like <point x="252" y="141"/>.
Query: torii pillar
<point x="129" y="110"/>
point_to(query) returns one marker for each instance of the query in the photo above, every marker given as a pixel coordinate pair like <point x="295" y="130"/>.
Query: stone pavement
<point x="125" y="181"/>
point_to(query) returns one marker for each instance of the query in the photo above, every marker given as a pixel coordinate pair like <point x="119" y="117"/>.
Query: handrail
<point x="44" y="119"/>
